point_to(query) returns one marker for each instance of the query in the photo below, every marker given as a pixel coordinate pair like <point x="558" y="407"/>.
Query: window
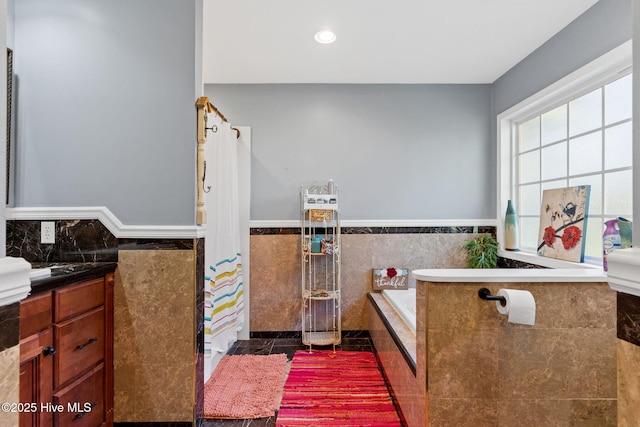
<point x="577" y="132"/>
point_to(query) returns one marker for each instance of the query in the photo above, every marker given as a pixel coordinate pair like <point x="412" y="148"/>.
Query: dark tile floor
<point x="274" y="346"/>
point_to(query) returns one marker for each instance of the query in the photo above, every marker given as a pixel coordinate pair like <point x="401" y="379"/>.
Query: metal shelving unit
<point x="321" y="286"/>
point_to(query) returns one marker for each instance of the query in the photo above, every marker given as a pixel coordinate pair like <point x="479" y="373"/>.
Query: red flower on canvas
<point x="391" y="272"/>
<point x="571" y="237"/>
<point x="549" y="236"/>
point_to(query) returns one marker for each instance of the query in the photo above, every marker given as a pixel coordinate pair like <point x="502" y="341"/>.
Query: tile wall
<point x="154" y="356"/>
<point x="628" y="352"/>
<point x="276" y="268"/>
<point x="484" y="371"/>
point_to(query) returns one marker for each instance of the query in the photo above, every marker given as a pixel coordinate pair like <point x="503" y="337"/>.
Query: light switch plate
<point x="47" y="232"/>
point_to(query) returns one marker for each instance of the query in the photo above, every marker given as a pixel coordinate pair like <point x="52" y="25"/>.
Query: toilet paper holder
<point x="485" y="294"/>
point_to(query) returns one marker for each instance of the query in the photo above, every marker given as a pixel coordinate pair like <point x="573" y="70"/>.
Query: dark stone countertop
<point x="66" y="273"/>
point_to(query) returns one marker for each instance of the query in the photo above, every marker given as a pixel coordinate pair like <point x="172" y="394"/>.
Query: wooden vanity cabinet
<point x="36" y="358"/>
<point x="66" y="355"/>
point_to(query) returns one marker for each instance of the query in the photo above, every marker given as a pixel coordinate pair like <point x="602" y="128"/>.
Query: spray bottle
<point x="610" y="240"/>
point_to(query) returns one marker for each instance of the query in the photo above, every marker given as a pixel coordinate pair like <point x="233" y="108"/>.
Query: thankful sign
<point x="390" y="278"/>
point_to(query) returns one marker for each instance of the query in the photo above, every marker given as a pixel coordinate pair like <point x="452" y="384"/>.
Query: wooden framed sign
<point x="390" y="278"/>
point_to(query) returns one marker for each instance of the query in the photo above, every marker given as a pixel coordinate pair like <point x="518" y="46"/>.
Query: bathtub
<point x="404" y="302"/>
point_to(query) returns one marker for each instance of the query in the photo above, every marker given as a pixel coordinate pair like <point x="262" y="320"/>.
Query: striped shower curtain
<point x="224" y="302"/>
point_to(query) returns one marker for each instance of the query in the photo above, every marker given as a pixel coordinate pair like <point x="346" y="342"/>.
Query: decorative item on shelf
<point x="390" y="278"/>
<point x="626" y="232"/>
<point x="316" y="244"/>
<point x="319" y="293"/>
<point x="482" y="252"/>
<point x="511" y="234"/>
<point x="610" y="240"/>
<point x="320" y="215"/>
<point x="563" y="223"/>
<point x="326" y="247"/>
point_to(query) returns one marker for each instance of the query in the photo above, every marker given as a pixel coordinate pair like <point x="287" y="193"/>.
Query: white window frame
<point x="589" y="77"/>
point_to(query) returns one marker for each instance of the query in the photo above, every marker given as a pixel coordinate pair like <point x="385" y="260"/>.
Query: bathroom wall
<point x="6" y="39"/>
<point x="393" y="150"/>
<point x="154" y="360"/>
<point x="9" y="315"/>
<point x="158" y="362"/>
<point x="628" y="307"/>
<point x="484" y="371"/>
<point x="276" y="268"/>
<point x="603" y="27"/>
<point x="628" y="351"/>
<point x="112" y="120"/>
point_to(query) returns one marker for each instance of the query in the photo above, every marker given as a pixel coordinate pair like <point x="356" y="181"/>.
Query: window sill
<point x="544" y="261"/>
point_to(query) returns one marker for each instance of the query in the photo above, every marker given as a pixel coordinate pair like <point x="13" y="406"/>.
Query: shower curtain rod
<point x="203" y="101"/>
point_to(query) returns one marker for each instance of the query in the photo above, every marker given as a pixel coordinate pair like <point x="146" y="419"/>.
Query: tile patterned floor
<point x="274" y="346"/>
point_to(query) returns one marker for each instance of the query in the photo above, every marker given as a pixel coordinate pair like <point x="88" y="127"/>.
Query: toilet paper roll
<point x="520" y="307"/>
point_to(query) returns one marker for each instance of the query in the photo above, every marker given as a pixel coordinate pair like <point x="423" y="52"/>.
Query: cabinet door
<point x="36" y="377"/>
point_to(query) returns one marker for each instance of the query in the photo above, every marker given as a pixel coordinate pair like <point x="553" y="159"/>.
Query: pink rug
<point x="245" y="386"/>
<point x="344" y="388"/>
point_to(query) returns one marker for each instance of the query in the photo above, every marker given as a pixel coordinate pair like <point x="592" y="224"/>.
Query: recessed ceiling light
<point x="325" y="36"/>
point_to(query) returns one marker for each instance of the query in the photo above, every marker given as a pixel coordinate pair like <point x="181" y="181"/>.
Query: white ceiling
<point x="378" y="41"/>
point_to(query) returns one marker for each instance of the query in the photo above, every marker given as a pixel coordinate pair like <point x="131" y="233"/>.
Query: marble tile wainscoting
<point x="159" y="309"/>
<point x="276" y="267"/>
<point x="484" y="371"/>
<point x="628" y="353"/>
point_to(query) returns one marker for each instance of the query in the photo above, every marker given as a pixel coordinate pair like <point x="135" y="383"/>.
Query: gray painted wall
<point x="395" y="151"/>
<point x="603" y="27"/>
<point x="401" y="152"/>
<point x="106" y="116"/>
<point x="636" y="127"/>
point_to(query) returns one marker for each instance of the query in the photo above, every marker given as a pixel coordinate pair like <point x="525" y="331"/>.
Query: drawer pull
<point x="49" y="351"/>
<point x="82" y="414"/>
<point x="91" y="340"/>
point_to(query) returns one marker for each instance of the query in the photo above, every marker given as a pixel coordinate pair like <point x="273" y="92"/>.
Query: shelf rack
<point x="321" y="283"/>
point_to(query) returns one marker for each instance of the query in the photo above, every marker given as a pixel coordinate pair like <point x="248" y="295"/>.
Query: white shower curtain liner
<point x="224" y="295"/>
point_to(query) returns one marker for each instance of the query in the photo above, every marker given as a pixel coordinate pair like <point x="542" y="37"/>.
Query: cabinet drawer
<point x="82" y="401"/>
<point x="80" y="344"/>
<point x="35" y="314"/>
<point x="77" y="299"/>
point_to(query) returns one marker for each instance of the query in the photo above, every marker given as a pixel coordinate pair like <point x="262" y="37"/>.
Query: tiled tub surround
<point x="484" y="371"/>
<point x="275" y="267"/>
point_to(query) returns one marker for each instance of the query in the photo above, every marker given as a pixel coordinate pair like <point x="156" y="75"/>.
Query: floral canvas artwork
<point x="563" y="222"/>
